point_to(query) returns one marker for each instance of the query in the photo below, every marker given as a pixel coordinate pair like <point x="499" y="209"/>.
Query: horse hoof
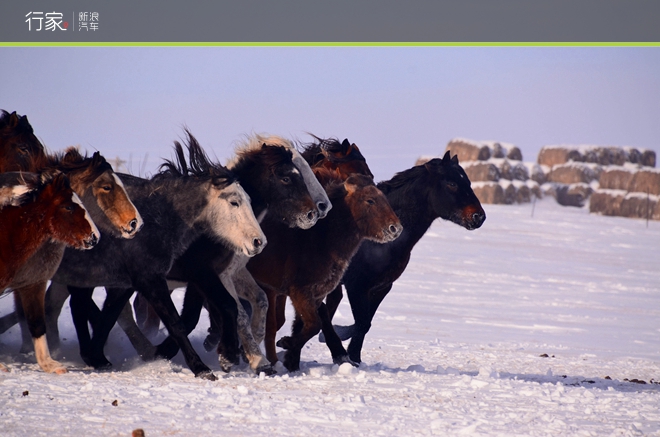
<point x="267" y="369"/>
<point x="345" y="359"/>
<point x="207" y="374"/>
<point x="225" y="364"/>
<point x="284" y="343"/>
<point x="211" y="341"/>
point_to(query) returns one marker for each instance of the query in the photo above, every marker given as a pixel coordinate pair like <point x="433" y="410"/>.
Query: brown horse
<point x="343" y="158"/>
<point x="307" y="265"/>
<point x="105" y="197"/>
<point x="49" y="210"/>
<point x="19" y="148"/>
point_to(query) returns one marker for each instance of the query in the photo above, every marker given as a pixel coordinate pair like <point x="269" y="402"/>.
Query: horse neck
<point x="248" y="173"/>
<point x="28" y="238"/>
<point x="414" y="212"/>
<point x="339" y="229"/>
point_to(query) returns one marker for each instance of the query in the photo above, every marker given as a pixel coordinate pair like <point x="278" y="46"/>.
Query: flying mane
<point x="199" y="165"/>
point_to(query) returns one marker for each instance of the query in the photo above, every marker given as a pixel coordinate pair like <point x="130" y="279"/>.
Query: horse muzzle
<point x="307" y="220"/>
<point x="256" y="246"/>
<point x="473" y="219"/>
<point x="91" y="241"/>
<point x="392" y="232"/>
<point x="133" y="228"/>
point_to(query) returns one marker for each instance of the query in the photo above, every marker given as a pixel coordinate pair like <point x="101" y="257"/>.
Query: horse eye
<point x="107" y="187"/>
<point x="234" y="203"/>
<point x="69" y="208"/>
<point x="371" y="201"/>
<point x="286" y="180"/>
<point x="452" y="185"/>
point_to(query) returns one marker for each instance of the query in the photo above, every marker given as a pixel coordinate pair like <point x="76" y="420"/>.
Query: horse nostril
<point x="311" y="215"/>
<point x="322" y="206"/>
<point x="132" y="225"/>
<point x="93" y="240"/>
<point x="393" y="229"/>
<point x="257" y="243"/>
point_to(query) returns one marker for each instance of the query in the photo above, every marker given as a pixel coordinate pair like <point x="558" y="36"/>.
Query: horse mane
<point x="402" y="179"/>
<point x="198" y="165"/>
<point x="71" y="161"/>
<point x="311" y="151"/>
<point x="272" y="151"/>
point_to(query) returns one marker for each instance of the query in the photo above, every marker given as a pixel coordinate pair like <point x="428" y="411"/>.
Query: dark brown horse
<point x="49" y="210"/>
<point x="419" y="195"/>
<point x="307" y="265"/>
<point x="343" y="158"/>
<point x="20" y="150"/>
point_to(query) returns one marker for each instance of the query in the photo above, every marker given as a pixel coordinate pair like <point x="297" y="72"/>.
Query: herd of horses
<point x="276" y="222"/>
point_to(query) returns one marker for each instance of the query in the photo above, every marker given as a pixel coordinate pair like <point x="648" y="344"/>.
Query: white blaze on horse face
<point x="314" y="187"/>
<point x="138" y="217"/>
<point x="92" y="225"/>
<point x="230" y="216"/>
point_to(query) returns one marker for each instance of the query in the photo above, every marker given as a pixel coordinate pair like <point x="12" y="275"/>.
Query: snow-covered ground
<point x="528" y="326"/>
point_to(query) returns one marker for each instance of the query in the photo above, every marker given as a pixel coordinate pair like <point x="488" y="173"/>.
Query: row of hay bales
<point x="617" y="181"/>
<point x="620" y="181"/>
<point x="496" y="170"/>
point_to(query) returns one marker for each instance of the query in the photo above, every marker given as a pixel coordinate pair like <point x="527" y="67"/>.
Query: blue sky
<point x="396" y="103"/>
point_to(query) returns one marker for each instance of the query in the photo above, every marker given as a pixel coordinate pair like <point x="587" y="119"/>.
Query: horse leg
<point x="114" y="303"/>
<point x="364" y="306"/>
<point x="155" y="290"/>
<point x="193" y="302"/>
<point x="333" y="300"/>
<point x="81" y="304"/>
<point x="332" y="340"/>
<point x="255" y="357"/>
<point x="31" y="298"/>
<point x="306" y="326"/>
<point x="141" y="344"/>
<point x="248" y="289"/>
<point x="56" y="295"/>
<point x="26" y="337"/>
<point x="8" y="321"/>
<point x="271" y="326"/>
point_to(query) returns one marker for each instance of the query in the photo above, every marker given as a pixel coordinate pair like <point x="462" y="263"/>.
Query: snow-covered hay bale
<point x="510" y="170"/>
<point x="646" y="180"/>
<point x="523" y="194"/>
<point x="535" y="172"/>
<point x="574" y="172"/>
<point x="573" y="194"/>
<point x="648" y="158"/>
<point x="606" y="202"/>
<point x="634" y="155"/>
<point x="423" y="159"/>
<point x="639" y="205"/>
<point x="489" y="192"/>
<point x="616" y="177"/>
<point x="510" y="192"/>
<point x="481" y="171"/>
<point x="555" y="155"/>
<point x="468" y="150"/>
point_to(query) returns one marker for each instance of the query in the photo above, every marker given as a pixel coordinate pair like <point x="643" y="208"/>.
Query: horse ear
<point x="446" y="159"/>
<point x="349" y="187"/>
<point x="13" y="120"/>
<point x="454" y="159"/>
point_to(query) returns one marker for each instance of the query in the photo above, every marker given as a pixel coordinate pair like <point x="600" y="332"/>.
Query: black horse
<point x="178" y="205"/>
<point x="419" y="195"/>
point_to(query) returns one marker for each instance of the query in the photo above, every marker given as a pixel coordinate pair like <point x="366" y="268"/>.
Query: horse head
<point x="280" y="178"/>
<point x="67" y="219"/>
<point x="450" y="193"/>
<point x="20" y="150"/>
<point x="343" y="157"/>
<point x="94" y="180"/>
<point x="370" y="209"/>
<point x="228" y="214"/>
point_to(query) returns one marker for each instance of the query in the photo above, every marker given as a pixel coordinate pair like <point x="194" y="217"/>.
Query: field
<point x="541" y="325"/>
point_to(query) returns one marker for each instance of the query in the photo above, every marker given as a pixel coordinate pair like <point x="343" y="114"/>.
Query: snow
<point x="531" y="326"/>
